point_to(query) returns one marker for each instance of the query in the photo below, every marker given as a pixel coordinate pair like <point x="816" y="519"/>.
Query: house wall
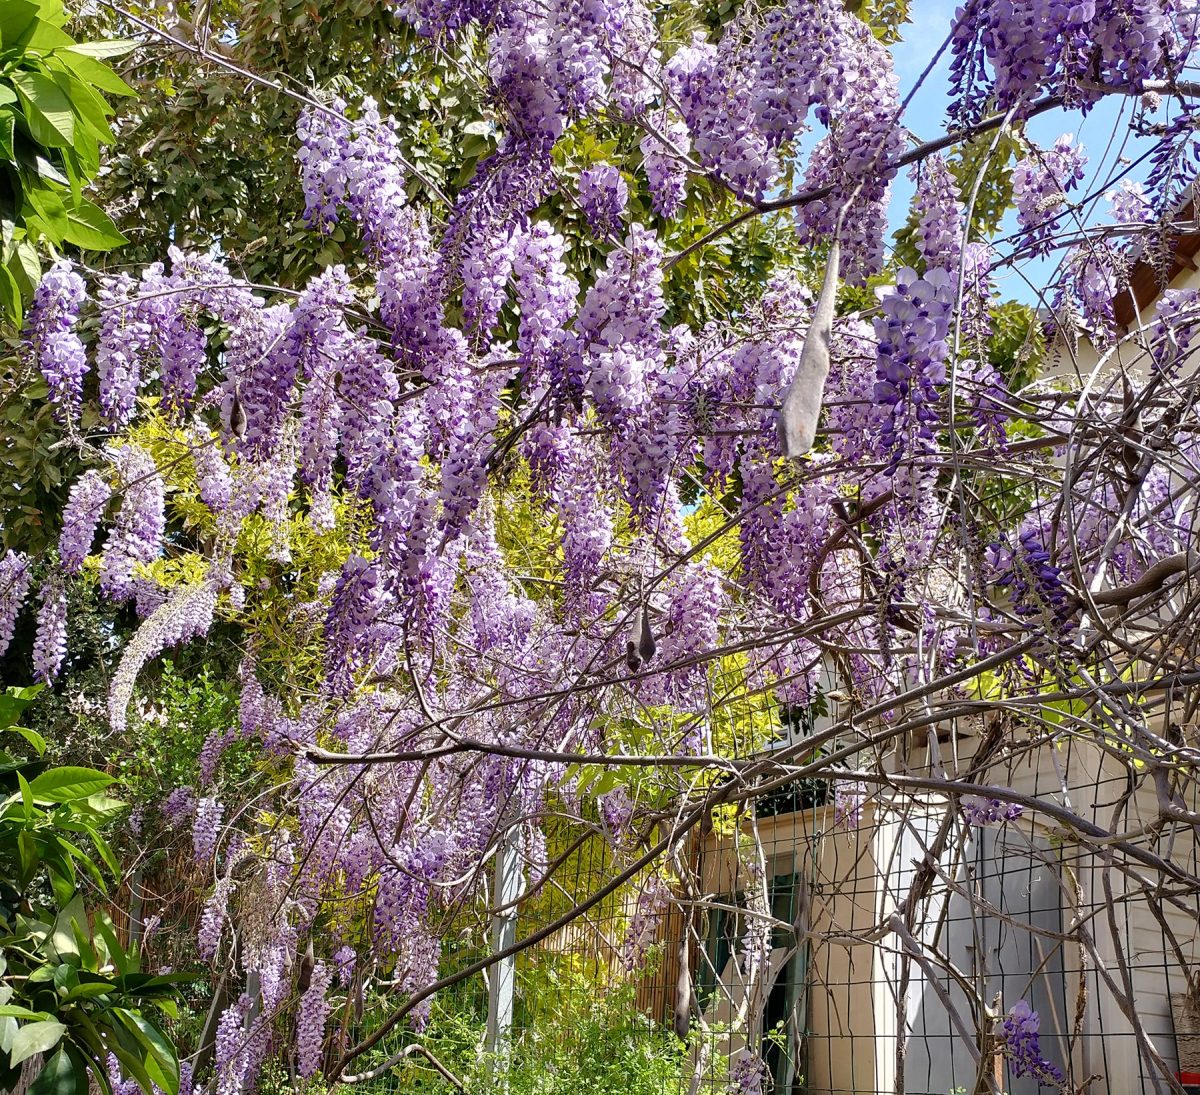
<point x="1136" y="935"/>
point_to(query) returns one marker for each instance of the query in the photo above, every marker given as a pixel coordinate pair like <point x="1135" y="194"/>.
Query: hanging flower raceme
<point x="136" y="536"/>
<point x="938" y="214"/>
<point x="50" y="338"/>
<point x="1011" y="52"/>
<point x="81" y="517"/>
<point x="603" y="195"/>
<point x="310" y="1021"/>
<point x="912" y="334"/>
<point x="1041" y="182"/>
<point x="350" y="633"/>
<point x="1020" y="1040"/>
<point x="715" y="98"/>
<point x="663" y="151"/>
<point x="50" y="644"/>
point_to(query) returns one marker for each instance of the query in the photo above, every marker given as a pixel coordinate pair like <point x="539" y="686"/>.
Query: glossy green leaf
<point x="17" y="19"/>
<point x="58" y="1076"/>
<point x="47" y="109"/>
<point x="68" y="783"/>
<point x="32" y="736"/>
<point x="8" y="128"/>
<point x="35" y="1037"/>
<point x="16" y="1011"/>
<point x="88" y="226"/>
<point x="117" y="47"/>
<point x="51" y="213"/>
<point x="95" y="72"/>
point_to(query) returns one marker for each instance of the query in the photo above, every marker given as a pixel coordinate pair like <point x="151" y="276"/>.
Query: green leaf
<point x="17" y="18"/>
<point x="95" y="73"/>
<point x="27" y="858"/>
<point x="78" y="855"/>
<point x="26" y="795"/>
<point x="8" y="129"/>
<point x="89" y="107"/>
<point x="118" y="47"/>
<point x="100" y="807"/>
<point x="69" y="783"/>
<point x="46" y="36"/>
<point x="51" y="213"/>
<point x="47" y="109"/>
<point x="160" y="1061"/>
<point x="63" y="936"/>
<point x="106" y="853"/>
<point x="15" y="1011"/>
<point x="103" y="926"/>
<point x="26" y="266"/>
<point x="13" y="702"/>
<point x="10" y="297"/>
<point x="32" y="736"/>
<point x="35" y="1038"/>
<point x="58" y="1077"/>
<point x="89" y="227"/>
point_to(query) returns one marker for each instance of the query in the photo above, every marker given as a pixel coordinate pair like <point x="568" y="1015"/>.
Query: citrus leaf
<point x="35" y="1038"/>
<point x="68" y="784"/>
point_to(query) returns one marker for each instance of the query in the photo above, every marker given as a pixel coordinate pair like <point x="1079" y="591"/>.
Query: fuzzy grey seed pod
<point x="801" y="410"/>
<point x="632" y="658"/>
<point x="646" y="646"/>
<point x="237" y="417"/>
<point x="683" y="991"/>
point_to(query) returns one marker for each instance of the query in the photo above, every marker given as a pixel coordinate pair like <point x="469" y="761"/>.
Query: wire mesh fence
<point x="876" y="939"/>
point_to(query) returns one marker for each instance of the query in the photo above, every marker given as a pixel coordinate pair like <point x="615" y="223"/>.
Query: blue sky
<point x="1104" y="133"/>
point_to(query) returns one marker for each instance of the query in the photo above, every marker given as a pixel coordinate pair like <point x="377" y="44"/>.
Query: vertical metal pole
<point x="506" y="888"/>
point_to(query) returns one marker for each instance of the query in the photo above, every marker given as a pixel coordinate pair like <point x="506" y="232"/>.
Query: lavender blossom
<point x="50" y="337"/>
<point x="1019" y="1039"/>
<point x="50" y="643"/>
<point x="15" y="577"/>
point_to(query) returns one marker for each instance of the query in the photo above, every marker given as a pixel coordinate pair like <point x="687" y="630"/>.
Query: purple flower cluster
<point x="910" y="370"/>
<point x="1037" y="583"/>
<point x="136" y="536"/>
<point x="345" y="959"/>
<point x="356" y="166"/>
<point x="662" y="161"/>
<point x="213" y="917"/>
<point x="565" y="469"/>
<point x="603" y="195"/>
<point x="616" y="811"/>
<point x="125" y="337"/>
<point x="1047" y="47"/>
<point x="349" y="624"/>
<point x="1020" y="1040"/>
<point x="712" y="93"/>
<point x="849" y="796"/>
<point x="858" y="155"/>
<point x="14" y="588"/>
<point x="50" y="643"/>
<point x="81" y="517"/>
<point x="51" y="340"/>
<point x="546" y="294"/>
<point x="991" y="811"/>
<point x="1093" y="274"/>
<point x="178" y="806"/>
<point x="748" y="1074"/>
<point x="206" y="828"/>
<point x="1041" y="182"/>
<point x="652" y="902"/>
<point x="310" y="1021"/>
<point x="939" y="216"/>
<point x="620" y="327"/>
<point x="1128" y="203"/>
